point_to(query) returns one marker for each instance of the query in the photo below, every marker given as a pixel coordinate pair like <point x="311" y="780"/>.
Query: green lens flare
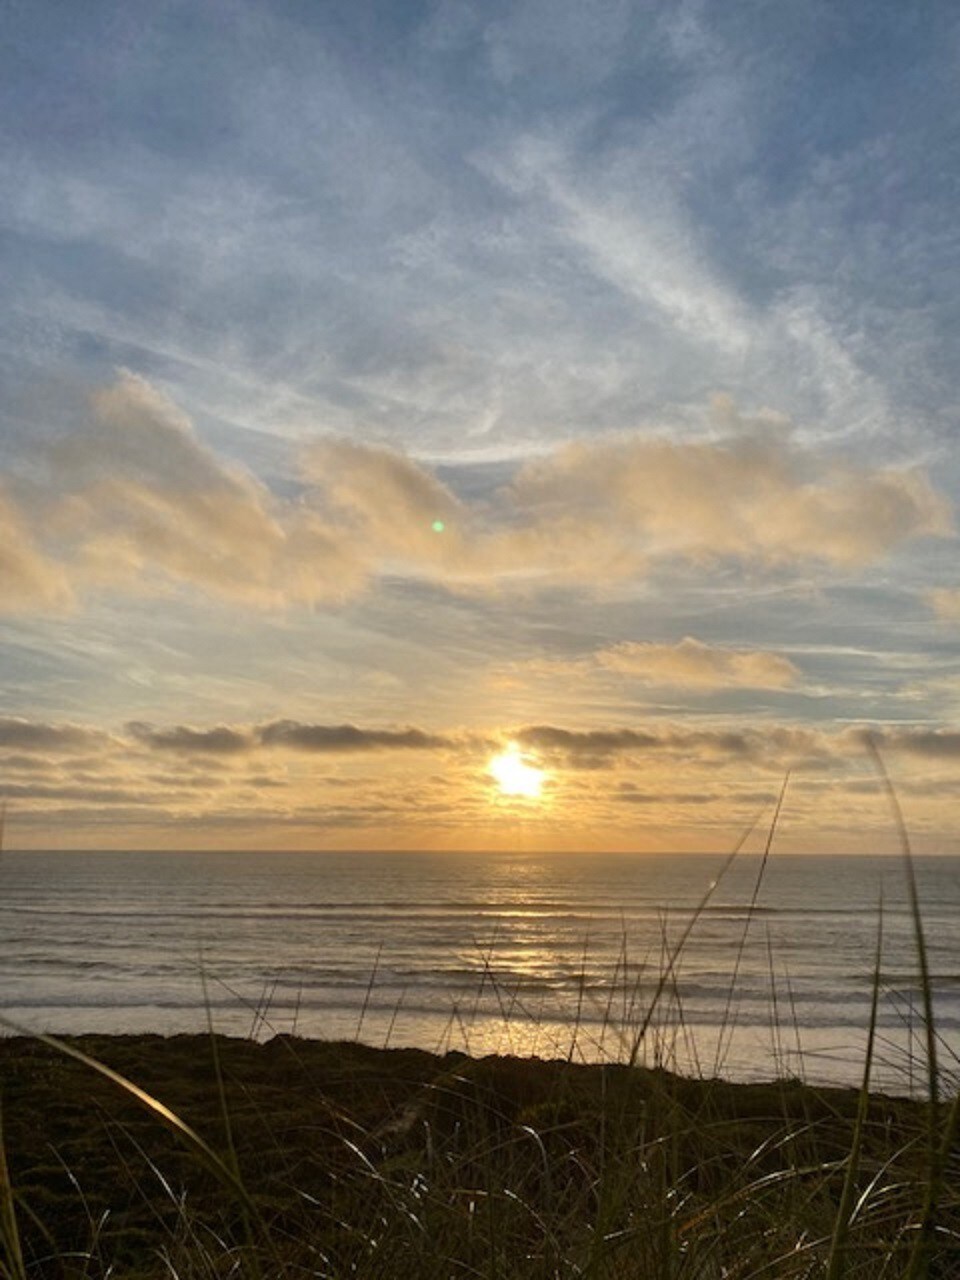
<point x="438" y="526"/>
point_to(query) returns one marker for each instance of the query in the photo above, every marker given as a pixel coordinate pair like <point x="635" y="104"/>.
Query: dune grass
<point x="344" y="1160"/>
<point x="353" y="1161"/>
<point x="195" y="1157"/>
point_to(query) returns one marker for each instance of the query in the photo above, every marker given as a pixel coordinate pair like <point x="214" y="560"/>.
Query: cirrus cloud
<point x="29" y="579"/>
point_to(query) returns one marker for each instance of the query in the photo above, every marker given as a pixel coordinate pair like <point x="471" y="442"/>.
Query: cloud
<point x="629" y="793"/>
<point x="32" y="735"/>
<point x="85" y="795"/>
<point x="596" y="511"/>
<point x="692" y="664"/>
<point x="753" y="497"/>
<point x="644" y="245"/>
<point x="772" y="745"/>
<point x="933" y="744"/>
<point x="598" y="773"/>
<point x="25" y="764"/>
<point x="590" y="743"/>
<point x="644" y="222"/>
<point x="391" y="500"/>
<point x="945" y="787"/>
<point x="140" y="496"/>
<point x="28" y="578"/>
<point x="769" y="746"/>
<point x="135" y="501"/>
<point x="217" y="741"/>
<point x="946" y="603"/>
<point x="347" y="737"/>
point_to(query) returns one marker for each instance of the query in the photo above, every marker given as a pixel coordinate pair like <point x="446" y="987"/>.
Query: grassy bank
<point x="397" y="1163"/>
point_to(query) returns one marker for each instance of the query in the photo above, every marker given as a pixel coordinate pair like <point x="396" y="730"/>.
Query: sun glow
<point x="515" y="775"/>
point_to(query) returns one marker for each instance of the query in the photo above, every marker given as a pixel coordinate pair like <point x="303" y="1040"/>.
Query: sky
<point x="386" y="383"/>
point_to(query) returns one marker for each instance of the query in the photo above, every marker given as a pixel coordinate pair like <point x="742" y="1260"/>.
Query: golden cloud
<point x="145" y="499"/>
<point x="749" y="497"/>
<point x="29" y="579"/>
<point x="946" y="603"/>
<point x="137" y="501"/>
<point x="692" y="664"/>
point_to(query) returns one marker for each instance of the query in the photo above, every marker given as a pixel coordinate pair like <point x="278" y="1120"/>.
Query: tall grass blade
<point x="231" y="1161"/>
<point x="725" y="1021"/>
<point x="581" y="987"/>
<point x="9" y="1232"/>
<point x="845" y="1209"/>
<point x="920" y="1257"/>
<point x="667" y="969"/>
<point x="368" y="994"/>
<point x="14" y="1268"/>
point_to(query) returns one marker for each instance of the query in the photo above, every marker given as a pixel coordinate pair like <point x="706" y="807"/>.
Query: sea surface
<point x="560" y="955"/>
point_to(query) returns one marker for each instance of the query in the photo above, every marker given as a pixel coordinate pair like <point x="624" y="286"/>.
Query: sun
<point x="515" y="775"/>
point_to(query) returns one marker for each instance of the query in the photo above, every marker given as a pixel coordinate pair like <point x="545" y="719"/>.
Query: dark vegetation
<point x="396" y="1163"/>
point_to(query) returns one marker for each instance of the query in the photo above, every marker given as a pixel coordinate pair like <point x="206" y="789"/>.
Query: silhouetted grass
<point x="353" y="1161"/>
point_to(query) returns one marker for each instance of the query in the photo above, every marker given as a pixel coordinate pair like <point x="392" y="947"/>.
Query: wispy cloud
<point x="29" y="579"/>
<point x="946" y="602"/>
<point x="934" y="744"/>
<point x="688" y="664"/>
<point x="692" y="664"/>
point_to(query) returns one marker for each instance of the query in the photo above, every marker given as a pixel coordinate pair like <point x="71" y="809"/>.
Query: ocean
<point x="557" y="955"/>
